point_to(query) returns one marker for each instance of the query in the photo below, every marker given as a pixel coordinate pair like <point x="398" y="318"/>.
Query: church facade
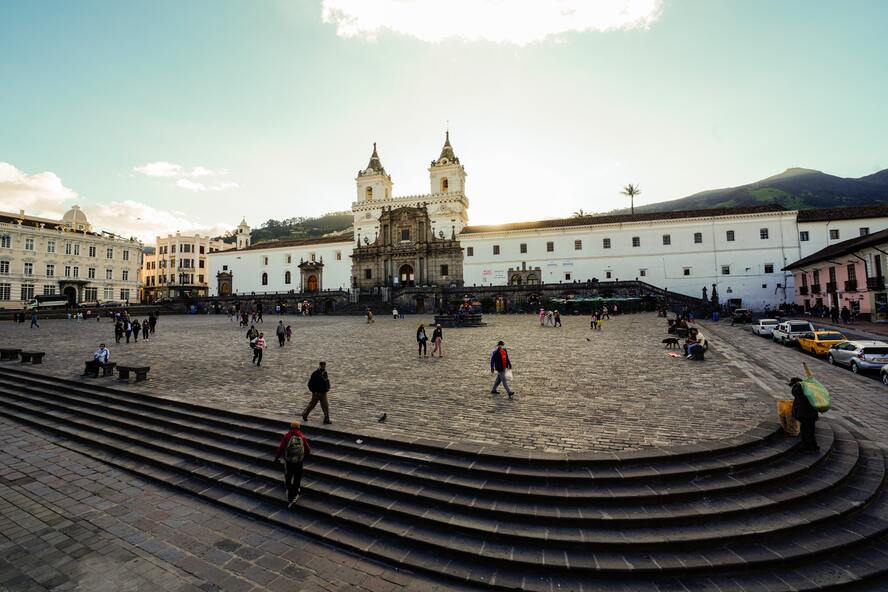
<point x="426" y="240"/>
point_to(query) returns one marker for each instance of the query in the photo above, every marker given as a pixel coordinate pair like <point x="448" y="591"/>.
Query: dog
<point x="671" y="342"/>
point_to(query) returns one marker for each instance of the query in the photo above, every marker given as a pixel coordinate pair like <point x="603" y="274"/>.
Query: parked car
<point x="859" y="355"/>
<point x="764" y="327"/>
<point x="741" y="315"/>
<point x="788" y="332"/>
<point x="820" y="342"/>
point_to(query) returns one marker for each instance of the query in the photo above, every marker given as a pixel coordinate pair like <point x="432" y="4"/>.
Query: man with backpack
<point x="293" y="448"/>
<point x="319" y="385"/>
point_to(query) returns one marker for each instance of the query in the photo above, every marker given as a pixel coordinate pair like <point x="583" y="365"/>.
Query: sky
<point x="166" y="115"/>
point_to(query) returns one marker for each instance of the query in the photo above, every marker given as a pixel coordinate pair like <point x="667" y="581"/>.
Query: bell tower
<point x="243" y="234"/>
<point x="373" y="183"/>
<point x="446" y="174"/>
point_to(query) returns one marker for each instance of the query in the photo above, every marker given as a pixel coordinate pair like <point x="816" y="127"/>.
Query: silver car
<point x="859" y="355"/>
<point x="764" y="327"/>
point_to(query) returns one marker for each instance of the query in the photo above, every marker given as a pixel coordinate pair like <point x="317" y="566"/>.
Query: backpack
<point x="253" y="342"/>
<point x="816" y="394"/>
<point x="295" y="450"/>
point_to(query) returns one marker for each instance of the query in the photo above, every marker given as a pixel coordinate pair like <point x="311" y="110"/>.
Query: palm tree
<point x="631" y="191"/>
<point x="580" y="214"/>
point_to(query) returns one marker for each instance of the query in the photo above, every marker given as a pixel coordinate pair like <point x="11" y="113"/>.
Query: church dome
<point x="75" y="219"/>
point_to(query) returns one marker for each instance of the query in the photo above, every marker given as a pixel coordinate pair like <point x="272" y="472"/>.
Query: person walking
<point x="499" y="363"/>
<point x="369" y="316"/>
<point x="281" y="333"/>
<point x="34" y="322"/>
<point x="137" y="330"/>
<point x="394" y="314"/>
<point x="422" y="339"/>
<point x="152" y="321"/>
<point x="294" y="447"/>
<point x="319" y="386"/>
<point x="438" y="341"/>
<point x="289" y="333"/>
<point x="556" y="315"/>
<point x="805" y="413"/>
<point x="258" y="345"/>
<point x="252" y="333"/>
<point x="542" y="317"/>
<point x="128" y="329"/>
<point x="118" y="331"/>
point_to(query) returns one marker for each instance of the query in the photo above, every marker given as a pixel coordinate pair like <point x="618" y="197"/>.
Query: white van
<point x="788" y="332"/>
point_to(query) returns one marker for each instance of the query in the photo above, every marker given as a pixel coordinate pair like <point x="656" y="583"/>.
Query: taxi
<point x="819" y="342"/>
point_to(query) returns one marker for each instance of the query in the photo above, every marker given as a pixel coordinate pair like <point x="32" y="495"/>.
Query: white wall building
<point x="741" y="250"/>
<point x="40" y="256"/>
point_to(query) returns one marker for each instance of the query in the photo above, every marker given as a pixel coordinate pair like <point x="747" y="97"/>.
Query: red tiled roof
<point x="297" y="242"/>
<point x="844" y="213"/>
<point x="846" y="247"/>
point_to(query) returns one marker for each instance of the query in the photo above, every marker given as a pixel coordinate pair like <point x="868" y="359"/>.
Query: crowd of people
<point x="131" y="328"/>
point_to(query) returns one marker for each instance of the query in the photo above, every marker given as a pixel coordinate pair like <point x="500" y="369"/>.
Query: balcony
<point x="803" y="290"/>
<point x="875" y="283"/>
<point x="831" y="287"/>
<point x="815" y="288"/>
<point x="850" y="285"/>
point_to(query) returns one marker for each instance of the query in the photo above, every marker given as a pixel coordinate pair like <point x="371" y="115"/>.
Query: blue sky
<point x="267" y="109"/>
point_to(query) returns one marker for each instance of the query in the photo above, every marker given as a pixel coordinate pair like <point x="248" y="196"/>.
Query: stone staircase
<point x="750" y="513"/>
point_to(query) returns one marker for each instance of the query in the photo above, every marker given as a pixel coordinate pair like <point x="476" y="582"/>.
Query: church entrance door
<point x="312" y="284"/>
<point x="406" y="276"/>
<point x="71" y="293"/>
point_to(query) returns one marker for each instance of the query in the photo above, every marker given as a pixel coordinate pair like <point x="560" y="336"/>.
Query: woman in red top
<point x="293" y="456"/>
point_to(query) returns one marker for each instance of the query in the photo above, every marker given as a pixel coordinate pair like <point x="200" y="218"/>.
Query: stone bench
<point x="141" y="372"/>
<point x="9" y="354"/>
<point x="33" y="357"/>
<point x="90" y="370"/>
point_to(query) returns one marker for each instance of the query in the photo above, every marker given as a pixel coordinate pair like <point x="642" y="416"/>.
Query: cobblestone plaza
<point x="577" y="390"/>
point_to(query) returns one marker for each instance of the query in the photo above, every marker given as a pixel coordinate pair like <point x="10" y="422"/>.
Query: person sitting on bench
<point x="100" y="358"/>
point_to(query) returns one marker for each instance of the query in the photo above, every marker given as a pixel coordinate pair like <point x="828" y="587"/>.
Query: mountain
<point x="794" y="188"/>
<point x="293" y="228"/>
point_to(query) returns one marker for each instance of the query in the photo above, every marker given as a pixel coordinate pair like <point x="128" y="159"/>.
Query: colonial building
<point x="415" y="239"/>
<point x="45" y="256"/>
<point x="848" y="274"/>
<point x="178" y="266"/>
<point x="406" y="252"/>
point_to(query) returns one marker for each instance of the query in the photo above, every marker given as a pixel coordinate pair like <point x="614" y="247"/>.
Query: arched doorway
<point x="420" y="304"/>
<point x="311" y="284"/>
<point x="328" y="306"/>
<point x="405" y="275"/>
<point x="71" y="293"/>
<point x="516" y="280"/>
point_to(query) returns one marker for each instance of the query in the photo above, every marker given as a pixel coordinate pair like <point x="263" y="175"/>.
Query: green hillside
<point x="299" y="227"/>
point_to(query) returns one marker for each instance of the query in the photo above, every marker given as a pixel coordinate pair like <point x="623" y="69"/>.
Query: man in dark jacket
<point x="293" y="457"/>
<point x="499" y="363"/>
<point x="319" y="385"/>
<point x="807" y="415"/>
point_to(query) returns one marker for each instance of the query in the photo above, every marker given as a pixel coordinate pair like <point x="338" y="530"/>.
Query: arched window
<point x="287" y="277"/>
<point x="444" y="185"/>
<point x="369" y="194"/>
<point x="264" y="279"/>
<point x="532" y="278"/>
<point x="516" y="280"/>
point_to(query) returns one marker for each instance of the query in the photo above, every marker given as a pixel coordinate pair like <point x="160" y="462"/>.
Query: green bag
<point x="816" y="393"/>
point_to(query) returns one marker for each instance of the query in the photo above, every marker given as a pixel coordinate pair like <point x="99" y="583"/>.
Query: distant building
<point x="425" y="240"/>
<point x="178" y="266"/>
<point x="41" y="256"/>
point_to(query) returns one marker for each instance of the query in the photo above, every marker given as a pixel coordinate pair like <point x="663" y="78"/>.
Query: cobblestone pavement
<point x="860" y="401"/>
<point x="68" y="522"/>
<point x="577" y="390"/>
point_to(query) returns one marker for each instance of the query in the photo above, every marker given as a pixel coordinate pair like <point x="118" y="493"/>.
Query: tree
<point x="580" y="214"/>
<point x="631" y="191"/>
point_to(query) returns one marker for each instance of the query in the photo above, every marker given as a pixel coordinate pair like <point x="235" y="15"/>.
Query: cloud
<point x="133" y="218"/>
<point x="159" y="169"/>
<point x="162" y="168"/>
<point x="518" y="22"/>
<point x="198" y="187"/>
<point x="44" y="195"/>
<point x="43" y="192"/>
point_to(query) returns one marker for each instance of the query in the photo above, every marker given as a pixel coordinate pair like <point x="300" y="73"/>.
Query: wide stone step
<point x="396" y="515"/>
<point x="483" y="461"/>
<point x="408" y="478"/>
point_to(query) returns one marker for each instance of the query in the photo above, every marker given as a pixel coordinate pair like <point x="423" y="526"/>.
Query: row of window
<point x="27" y="292"/>
<point x="311" y="257"/>
<point x="69" y="271"/>
<point x="70" y="248"/>
<point x="184" y="278"/>
<point x="184" y="248"/>
<point x="162" y="264"/>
